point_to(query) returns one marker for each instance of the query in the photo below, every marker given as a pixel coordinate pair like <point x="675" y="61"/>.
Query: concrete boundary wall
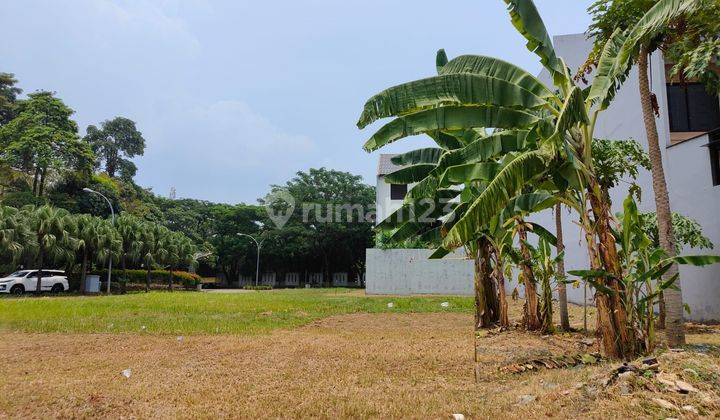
<point x="409" y="271"/>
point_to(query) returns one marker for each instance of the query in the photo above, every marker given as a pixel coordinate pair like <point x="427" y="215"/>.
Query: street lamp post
<point x="112" y="214"/>
<point x="257" y="265"/>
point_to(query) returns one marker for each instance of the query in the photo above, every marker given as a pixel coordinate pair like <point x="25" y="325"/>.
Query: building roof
<point x="385" y="165"/>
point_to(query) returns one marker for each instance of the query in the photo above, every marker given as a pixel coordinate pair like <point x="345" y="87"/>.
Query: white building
<point x="689" y="128"/>
<point x="389" y="197"/>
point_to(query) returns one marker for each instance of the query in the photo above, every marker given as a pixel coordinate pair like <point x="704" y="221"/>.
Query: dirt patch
<point x="362" y="365"/>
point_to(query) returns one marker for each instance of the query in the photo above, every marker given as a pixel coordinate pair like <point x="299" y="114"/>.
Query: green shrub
<point x="23" y="198"/>
<point x="156" y="276"/>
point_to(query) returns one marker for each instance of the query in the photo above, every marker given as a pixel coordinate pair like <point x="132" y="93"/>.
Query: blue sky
<point x="235" y="95"/>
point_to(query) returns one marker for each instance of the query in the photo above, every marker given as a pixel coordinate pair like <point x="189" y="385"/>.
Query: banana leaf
<point x="448" y="89"/>
<point x="493" y="67"/>
<point x="449" y="118"/>
<point x="528" y="22"/>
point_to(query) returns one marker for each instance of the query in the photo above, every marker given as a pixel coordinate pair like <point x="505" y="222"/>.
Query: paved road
<point x="227" y="291"/>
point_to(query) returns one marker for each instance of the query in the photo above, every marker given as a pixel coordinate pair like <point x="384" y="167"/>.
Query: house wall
<point x="385" y="206"/>
<point x="692" y="194"/>
<point x="410" y="271"/>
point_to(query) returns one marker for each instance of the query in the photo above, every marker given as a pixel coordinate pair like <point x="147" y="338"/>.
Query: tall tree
<point x="331" y="208"/>
<point x="8" y="97"/>
<point x="152" y="237"/>
<point x="130" y="229"/>
<point x="114" y="143"/>
<point x="98" y="239"/>
<point x="652" y="25"/>
<point x="562" y="287"/>
<point x="42" y="138"/>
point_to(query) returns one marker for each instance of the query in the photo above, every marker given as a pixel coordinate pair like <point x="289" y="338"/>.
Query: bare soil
<point x="360" y="365"/>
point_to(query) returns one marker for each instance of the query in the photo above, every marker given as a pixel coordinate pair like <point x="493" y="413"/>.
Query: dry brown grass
<point x="361" y="365"/>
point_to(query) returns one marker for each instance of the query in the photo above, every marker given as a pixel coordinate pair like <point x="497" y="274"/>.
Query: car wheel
<point x="17" y="290"/>
<point x="57" y="288"/>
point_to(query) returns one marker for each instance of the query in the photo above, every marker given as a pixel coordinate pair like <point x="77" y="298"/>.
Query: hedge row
<point x="258" y="287"/>
<point x="156" y="276"/>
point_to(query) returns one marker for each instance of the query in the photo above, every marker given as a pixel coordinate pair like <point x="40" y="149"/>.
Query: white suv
<point x="22" y="281"/>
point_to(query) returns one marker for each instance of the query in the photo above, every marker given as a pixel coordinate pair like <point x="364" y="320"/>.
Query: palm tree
<point x="645" y="24"/>
<point x="53" y="233"/>
<point x="130" y="230"/>
<point x="179" y="250"/>
<point x="171" y="243"/>
<point x="186" y="251"/>
<point x="148" y="253"/>
<point x="99" y="241"/>
<point x="562" y="288"/>
<point x="153" y="238"/>
<point x="87" y="235"/>
<point x="14" y="237"/>
<point x="474" y="92"/>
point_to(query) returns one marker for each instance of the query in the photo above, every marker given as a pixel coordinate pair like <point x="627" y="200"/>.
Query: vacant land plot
<point x="203" y="313"/>
<point x="363" y="364"/>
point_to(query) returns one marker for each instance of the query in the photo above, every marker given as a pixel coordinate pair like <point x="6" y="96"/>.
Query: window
<point x="692" y="108"/>
<point x="398" y="191"/>
<point x="715" y="162"/>
<point x="714" y="147"/>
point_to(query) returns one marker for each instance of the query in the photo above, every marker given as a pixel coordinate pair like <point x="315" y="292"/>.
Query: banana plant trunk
<point x="486" y="304"/>
<point x="562" y="288"/>
<point x="499" y="276"/>
<point x="147" y="279"/>
<point x="616" y="335"/>
<point x="170" y="281"/>
<point x="673" y="304"/>
<point x="531" y="309"/>
<point x="546" y="311"/>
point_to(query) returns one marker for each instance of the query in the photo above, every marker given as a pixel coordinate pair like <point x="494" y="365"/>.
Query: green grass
<point x="202" y="313"/>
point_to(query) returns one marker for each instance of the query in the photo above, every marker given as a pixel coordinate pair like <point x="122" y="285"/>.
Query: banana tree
<point x="644" y="264"/>
<point x="474" y="92"/>
<point x="545" y="263"/>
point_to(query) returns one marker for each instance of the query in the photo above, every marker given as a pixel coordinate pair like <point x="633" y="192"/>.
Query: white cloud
<point x="146" y="20"/>
<point x="234" y="132"/>
<point x="228" y="152"/>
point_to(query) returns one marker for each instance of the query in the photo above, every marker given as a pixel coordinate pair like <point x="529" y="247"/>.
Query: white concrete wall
<point x="692" y="194"/>
<point x="409" y="271"/>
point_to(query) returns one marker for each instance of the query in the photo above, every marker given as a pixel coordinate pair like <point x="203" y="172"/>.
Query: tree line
<point x="45" y="236"/>
<point x="45" y="164"/>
